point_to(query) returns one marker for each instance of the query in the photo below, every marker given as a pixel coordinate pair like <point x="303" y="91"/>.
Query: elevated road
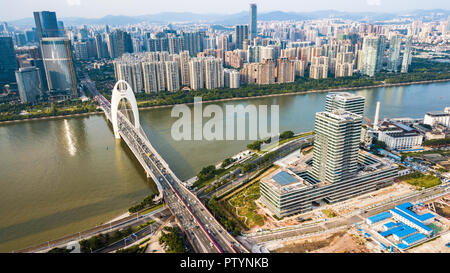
<point x="202" y="229"/>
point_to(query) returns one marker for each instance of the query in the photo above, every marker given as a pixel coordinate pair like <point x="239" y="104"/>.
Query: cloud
<point x="374" y="2"/>
<point x="73" y="2"/>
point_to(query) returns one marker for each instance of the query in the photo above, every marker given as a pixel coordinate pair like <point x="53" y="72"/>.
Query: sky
<point x="18" y="9"/>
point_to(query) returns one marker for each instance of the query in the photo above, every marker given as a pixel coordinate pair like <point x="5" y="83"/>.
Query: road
<point x="159" y="219"/>
<point x="202" y="229"/>
<point x="284" y="149"/>
<point x="355" y="217"/>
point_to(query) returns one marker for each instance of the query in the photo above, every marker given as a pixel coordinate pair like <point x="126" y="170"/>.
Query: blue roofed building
<point x="405" y="218"/>
<point x="414" y="239"/>
<point x="426" y="218"/>
<point x="390" y="225"/>
<point x="378" y="217"/>
<point x="407" y="231"/>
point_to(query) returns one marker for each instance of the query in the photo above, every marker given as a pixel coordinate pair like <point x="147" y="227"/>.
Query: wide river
<point x="62" y="176"/>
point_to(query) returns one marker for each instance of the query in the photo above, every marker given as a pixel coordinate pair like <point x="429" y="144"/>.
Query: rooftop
<point x="437" y="113"/>
<point x="284" y="178"/>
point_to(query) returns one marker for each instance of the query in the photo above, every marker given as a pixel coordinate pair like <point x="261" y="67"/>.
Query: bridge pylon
<point x="117" y="96"/>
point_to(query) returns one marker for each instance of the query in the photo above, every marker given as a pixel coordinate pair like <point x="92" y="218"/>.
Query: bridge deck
<point x="202" y="229"/>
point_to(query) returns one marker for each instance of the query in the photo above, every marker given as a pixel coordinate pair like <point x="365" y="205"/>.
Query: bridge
<point x="204" y="232"/>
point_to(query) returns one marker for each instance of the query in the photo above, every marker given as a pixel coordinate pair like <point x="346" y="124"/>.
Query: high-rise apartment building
<point x="149" y="77"/>
<point x="372" y="55"/>
<point x="407" y="56"/>
<point x="81" y="50"/>
<point x="253" y="24"/>
<point x="394" y="53"/>
<point x="184" y="68"/>
<point x="129" y="70"/>
<point x="343" y="70"/>
<point x="231" y="78"/>
<point x="299" y="66"/>
<point x="213" y="73"/>
<point x="285" y="70"/>
<point x="172" y="76"/>
<point x="196" y="73"/>
<point x="241" y="34"/>
<point x="319" y="68"/>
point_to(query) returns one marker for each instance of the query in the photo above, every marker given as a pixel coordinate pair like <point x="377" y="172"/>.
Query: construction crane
<point x="369" y="121"/>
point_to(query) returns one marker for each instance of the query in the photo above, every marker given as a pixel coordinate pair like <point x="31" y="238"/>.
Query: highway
<point x="203" y="231"/>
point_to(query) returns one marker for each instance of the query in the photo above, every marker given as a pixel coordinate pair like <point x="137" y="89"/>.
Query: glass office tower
<point x="58" y="66"/>
<point x="8" y="63"/>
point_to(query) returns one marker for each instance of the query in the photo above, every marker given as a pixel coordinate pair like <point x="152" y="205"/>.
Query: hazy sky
<point x="17" y="9"/>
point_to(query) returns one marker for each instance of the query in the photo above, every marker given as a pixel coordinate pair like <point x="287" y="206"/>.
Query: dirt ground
<point x="435" y="246"/>
<point x="339" y="242"/>
<point x="442" y="210"/>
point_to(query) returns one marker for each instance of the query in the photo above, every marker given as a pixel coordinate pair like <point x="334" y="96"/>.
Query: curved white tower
<point x="117" y="96"/>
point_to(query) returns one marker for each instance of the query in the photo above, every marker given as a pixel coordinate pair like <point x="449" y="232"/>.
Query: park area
<point x="243" y="206"/>
<point x="420" y="180"/>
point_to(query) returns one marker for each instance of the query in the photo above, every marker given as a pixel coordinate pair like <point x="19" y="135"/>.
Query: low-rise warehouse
<point x="378" y="217"/>
<point x="411" y="240"/>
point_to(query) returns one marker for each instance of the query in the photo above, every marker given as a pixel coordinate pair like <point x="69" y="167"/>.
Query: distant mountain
<point x="242" y="17"/>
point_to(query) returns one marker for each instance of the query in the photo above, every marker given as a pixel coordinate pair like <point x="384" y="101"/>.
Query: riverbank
<point x="51" y="117"/>
<point x="91" y="184"/>
<point x="343" y="89"/>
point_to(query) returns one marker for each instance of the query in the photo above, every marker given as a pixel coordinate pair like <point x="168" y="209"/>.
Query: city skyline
<point x="100" y="8"/>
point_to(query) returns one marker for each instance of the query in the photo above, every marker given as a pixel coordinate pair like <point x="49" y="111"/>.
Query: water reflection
<point x="70" y="143"/>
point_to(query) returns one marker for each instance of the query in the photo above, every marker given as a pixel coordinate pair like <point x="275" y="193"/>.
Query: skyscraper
<point x="29" y="84"/>
<point x="407" y="56"/>
<point x="345" y="101"/>
<point x="394" y="53"/>
<point x="46" y="24"/>
<point x="213" y="73"/>
<point x="150" y="79"/>
<point x="58" y="65"/>
<point x="196" y="74"/>
<point x="129" y="70"/>
<point x="336" y="146"/>
<point x="253" y="25"/>
<point x="8" y="63"/>
<point x="172" y="76"/>
<point x="184" y="68"/>
<point x="372" y="52"/>
<point x="241" y="34"/>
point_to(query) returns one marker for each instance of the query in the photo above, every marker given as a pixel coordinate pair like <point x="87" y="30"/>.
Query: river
<point x="61" y="176"/>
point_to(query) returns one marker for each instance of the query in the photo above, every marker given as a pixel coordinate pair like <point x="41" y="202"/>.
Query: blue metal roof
<point x="402" y="246"/>
<point x="379" y="217"/>
<point x="405" y="232"/>
<point x="414" y="238"/>
<point x="391" y="225"/>
<point x="411" y="219"/>
<point x="405" y="208"/>
<point x="284" y="178"/>
<point x="392" y="231"/>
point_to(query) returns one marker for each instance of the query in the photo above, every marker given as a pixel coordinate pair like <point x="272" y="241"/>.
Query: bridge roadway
<point x="202" y="229"/>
